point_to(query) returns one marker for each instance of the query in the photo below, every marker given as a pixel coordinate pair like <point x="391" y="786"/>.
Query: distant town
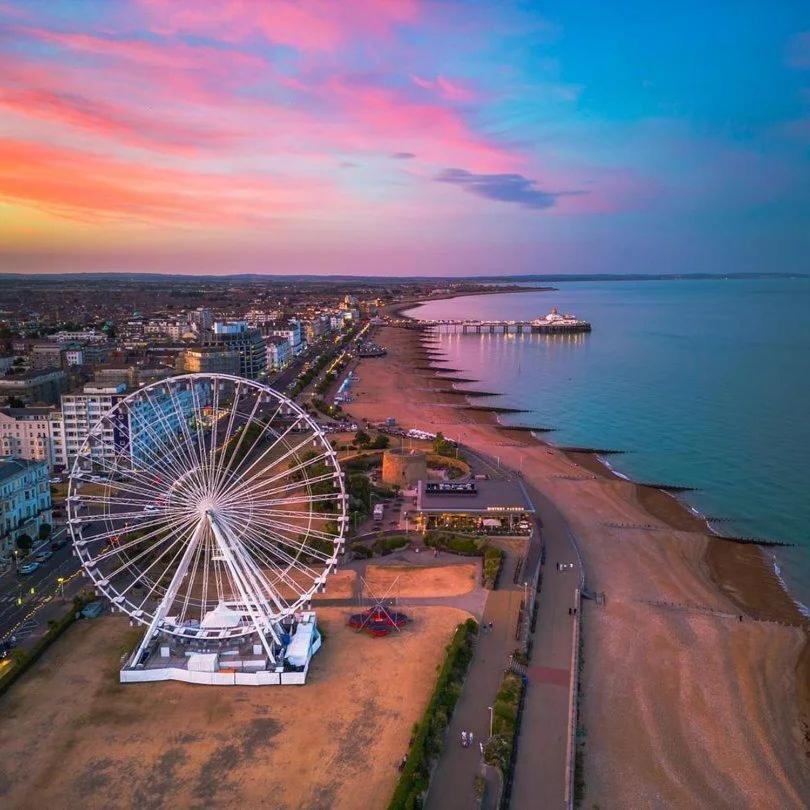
<point x="71" y="349"/>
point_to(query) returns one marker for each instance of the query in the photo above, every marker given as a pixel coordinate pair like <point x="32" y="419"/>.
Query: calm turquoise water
<point x="705" y="383"/>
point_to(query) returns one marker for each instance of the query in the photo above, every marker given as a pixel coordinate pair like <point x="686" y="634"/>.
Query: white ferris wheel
<point x="208" y="507"/>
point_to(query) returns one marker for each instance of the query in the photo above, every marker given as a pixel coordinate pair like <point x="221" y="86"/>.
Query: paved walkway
<point x="452" y="785"/>
<point x="540" y="770"/>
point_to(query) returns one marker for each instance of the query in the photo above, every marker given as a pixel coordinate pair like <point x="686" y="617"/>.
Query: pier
<point x="551" y="324"/>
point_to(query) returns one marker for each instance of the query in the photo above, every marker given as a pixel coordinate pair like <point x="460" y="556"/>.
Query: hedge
<point x="387" y="545"/>
<point x="491" y="569"/>
<point x="500" y="748"/>
<point x="428" y="738"/>
<point x="23" y="660"/>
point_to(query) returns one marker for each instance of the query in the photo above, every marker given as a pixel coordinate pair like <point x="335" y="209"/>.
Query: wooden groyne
<point x="751" y="541"/>
<point x="526" y="428"/>
<point x="456" y="379"/>
<point x="493" y="409"/>
<point x="437" y="368"/>
<point x="594" y="450"/>
<point x="667" y="487"/>
<point x="471" y="394"/>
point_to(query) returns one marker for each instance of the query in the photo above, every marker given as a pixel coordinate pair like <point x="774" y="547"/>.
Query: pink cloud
<point x="312" y="25"/>
<point x="449" y="89"/>
<point x="115" y="122"/>
<point x="110" y="189"/>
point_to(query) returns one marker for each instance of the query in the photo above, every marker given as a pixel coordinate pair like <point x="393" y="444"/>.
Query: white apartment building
<point x="28" y="433"/>
<point x="25" y="500"/>
<point x="135" y="434"/>
<point x="79" y="413"/>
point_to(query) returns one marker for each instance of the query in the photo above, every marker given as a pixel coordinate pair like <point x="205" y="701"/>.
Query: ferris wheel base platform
<point x="231" y="666"/>
<point x="263" y="678"/>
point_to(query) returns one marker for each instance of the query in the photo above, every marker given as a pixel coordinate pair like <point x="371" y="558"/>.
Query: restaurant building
<point x="491" y="506"/>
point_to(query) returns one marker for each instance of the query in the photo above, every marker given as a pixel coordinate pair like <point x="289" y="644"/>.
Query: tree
<point x="15" y="402"/>
<point x="442" y="446"/>
<point x="380" y="442"/>
<point x="362" y="438"/>
<point x="24" y="542"/>
<point x="44" y="531"/>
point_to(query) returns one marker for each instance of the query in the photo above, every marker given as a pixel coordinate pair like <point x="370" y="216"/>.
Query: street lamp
<point x="61" y="581"/>
<point x="490" y="720"/>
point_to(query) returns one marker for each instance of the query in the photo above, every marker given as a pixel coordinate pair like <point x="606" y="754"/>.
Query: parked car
<point x="28" y="568"/>
<point x="60" y="542"/>
<point x="42" y="556"/>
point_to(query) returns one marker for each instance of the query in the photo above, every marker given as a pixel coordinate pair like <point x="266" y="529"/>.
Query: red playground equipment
<point x="380" y="619"/>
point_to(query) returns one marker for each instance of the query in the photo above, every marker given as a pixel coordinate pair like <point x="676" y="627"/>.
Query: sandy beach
<point x="694" y="689"/>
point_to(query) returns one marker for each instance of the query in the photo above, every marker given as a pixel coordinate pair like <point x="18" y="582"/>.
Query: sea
<point x="703" y="383"/>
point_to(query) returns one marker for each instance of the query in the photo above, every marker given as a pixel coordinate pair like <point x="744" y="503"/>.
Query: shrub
<point x="429" y="733"/>
<point x="499" y="749"/>
<point x="387" y="545"/>
<point x="361" y="552"/>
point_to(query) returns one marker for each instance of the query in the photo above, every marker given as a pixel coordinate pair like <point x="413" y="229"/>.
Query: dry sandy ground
<point x="74" y="737"/>
<point x="339" y="585"/>
<point x="682" y="708"/>
<point x="414" y="580"/>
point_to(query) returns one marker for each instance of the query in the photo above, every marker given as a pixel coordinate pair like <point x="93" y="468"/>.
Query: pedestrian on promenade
<point x="463" y="739"/>
<point x="470" y="737"/>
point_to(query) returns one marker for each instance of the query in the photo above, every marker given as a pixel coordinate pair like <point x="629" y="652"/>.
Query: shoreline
<point x="668" y="640"/>
<point x="748" y="575"/>
<point x="681" y="699"/>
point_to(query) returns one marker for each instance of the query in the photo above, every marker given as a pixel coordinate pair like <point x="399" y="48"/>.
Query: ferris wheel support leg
<point x="171" y="592"/>
<point x="250" y="594"/>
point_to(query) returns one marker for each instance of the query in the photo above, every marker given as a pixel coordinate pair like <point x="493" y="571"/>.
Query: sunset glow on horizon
<point x="403" y="137"/>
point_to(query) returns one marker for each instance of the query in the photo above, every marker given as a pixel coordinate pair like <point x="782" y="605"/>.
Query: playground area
<point x="75" y="736"/>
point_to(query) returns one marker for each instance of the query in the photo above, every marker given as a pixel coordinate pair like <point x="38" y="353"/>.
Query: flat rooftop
<point x="494" y="495"/>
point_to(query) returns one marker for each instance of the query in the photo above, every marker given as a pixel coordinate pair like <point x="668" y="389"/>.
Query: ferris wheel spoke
<point x="145" y="486"/>
<point x="179" y="457"/>
<point x="282" y="565"/>
<point x="194" y="461"/>
<point x="256" y="477"/>
<point x="189" y="589"/>
<point x="222" y="450"/>
<point x="290" y="471"/>
<point x="154" y="536"/>
<point x="193" y="450"/>
<point x="264" y="455"/>
<point x="274" y="527"/>
<point x="290" y="487"/>
<point x="283" y="560"/>
<point x="260" y="579"/>
<point x="162" y="463"/>
<point x="263" y="428"/>
<point x="186" y="546"/>
<point x="260" y="489"/>
<point x="247" y="584"/>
